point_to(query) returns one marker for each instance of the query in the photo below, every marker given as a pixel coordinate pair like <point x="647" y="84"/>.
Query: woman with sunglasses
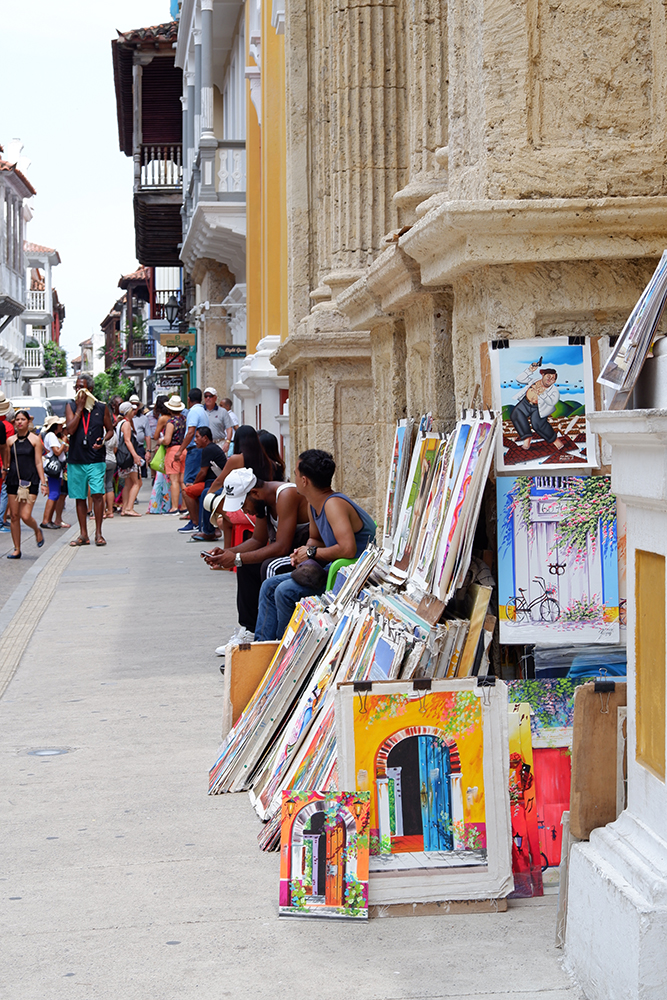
<point x="24" y="477"/>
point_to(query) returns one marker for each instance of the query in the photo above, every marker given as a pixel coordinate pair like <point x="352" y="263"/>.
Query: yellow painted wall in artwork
<point x="386" y="715"/>
<point x="274" y="192"/>
<point x="650" y="661"/>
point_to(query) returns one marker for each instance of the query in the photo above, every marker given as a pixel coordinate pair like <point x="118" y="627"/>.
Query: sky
<point x="56" y="82"/>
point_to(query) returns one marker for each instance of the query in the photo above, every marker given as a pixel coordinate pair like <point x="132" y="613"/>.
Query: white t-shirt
<point x="52" y="441"/>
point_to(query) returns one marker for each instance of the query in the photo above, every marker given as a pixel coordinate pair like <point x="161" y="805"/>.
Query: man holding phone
<point x="89" y="425"/>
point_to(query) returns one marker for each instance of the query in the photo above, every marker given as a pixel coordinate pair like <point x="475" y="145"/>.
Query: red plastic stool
<point x="239" y="531"/>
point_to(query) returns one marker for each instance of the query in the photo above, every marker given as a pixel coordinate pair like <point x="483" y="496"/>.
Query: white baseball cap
<point x="134" y="398"/>
<point x="236" y="487"/>
<point x="211" y="391"/>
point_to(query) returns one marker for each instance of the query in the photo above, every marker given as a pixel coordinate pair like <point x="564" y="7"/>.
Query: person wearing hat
<point x="535" y="404"/>
<point x="89" y="424"/>
<point x="172" y="436"/>
<point x="222" y="427"/>
<point x="282" y="524"/>
<point x="54" y="447"/>
<point x="212" y="461"/>
<point x="131" y="475"/>
<point x="140" y="423"/>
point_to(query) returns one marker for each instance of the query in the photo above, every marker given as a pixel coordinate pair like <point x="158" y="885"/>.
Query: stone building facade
<point x="456" y="172"/>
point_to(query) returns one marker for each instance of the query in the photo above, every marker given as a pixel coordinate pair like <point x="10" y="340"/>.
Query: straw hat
<point x="50" y="421"/>
<point x="175" y="404"/>
<point x="5" y="405"/>
<point x="213" y="504"/>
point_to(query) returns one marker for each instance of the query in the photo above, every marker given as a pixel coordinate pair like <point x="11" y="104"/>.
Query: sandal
<point x="100" y="542"/>
<point x="77" y="542"/>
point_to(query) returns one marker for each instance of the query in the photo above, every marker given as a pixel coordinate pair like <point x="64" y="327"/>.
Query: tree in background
<point x="111" y="382"/>
<point x="55" y="360"/>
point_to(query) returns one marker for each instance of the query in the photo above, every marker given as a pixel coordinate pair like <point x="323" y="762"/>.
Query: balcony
<point x="33" y="362"/>
<point x="161" y="168"/>
<point x="36" y="302"/>
<point x="217" y="194"/>
<point x="140" y="354"/>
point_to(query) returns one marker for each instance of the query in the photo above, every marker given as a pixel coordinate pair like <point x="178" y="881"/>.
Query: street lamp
<point x="16" y="371"/>
<point x="171" y="310"/>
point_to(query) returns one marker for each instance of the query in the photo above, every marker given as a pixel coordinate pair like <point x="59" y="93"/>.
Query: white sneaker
<point x="238" y="636"/>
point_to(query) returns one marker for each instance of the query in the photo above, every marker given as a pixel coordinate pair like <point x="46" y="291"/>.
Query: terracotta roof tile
<point x="37" y="248"/>
<point x="142" y="274"/>
<point x="167" y="32"/>
<point x="11" y="168"/>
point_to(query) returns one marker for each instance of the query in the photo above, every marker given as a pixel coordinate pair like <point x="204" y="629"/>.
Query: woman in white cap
<point x="130" y="476"/>
<point x="54" y="448"/>
<point x="172" y="437"/>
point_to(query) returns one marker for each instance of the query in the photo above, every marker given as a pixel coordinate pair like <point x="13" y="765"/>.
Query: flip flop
<point x="100" y="542"/>
<point x="47" y="524"/>
<point x="130" y="513"/>
<point x="77" y="542"/>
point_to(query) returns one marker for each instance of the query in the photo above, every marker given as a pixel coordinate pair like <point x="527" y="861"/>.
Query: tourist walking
<point x="130" y="475"/>
<point x="54" y="458"/>
<point x="88" y="423"/>
<point x="172" y="436"/>
<point x="24" y="478"/>
<point x="110" y="468"/>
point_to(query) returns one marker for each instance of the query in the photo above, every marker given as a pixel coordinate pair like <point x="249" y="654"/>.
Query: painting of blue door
<point x="435" y="792"/>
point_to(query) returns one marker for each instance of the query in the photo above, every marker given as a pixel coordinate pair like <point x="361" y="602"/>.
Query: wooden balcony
<point x="140" y="354"/>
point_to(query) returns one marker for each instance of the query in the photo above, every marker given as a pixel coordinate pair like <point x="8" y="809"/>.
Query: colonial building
<point x="15" y="190"/>
<point x="457" y="173"/>
<point x="44" y="313"/>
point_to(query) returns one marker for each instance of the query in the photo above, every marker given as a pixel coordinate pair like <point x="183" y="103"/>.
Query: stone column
<point x="215" y="281"/>
<point x="427" y="80"/>
<point x="196" y="34"/>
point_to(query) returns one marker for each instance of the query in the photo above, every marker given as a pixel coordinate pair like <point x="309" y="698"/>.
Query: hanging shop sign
<point x="230" y="351"/>
<point x="173" y="338"/>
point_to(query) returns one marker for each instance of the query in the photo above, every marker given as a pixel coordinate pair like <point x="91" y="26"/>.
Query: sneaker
<point x="239" y="635"/>
<point x="187" y="528"/>
<point x="5" y="527"/>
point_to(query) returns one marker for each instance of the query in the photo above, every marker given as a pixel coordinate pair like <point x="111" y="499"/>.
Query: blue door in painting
<point x="435" y="789"/>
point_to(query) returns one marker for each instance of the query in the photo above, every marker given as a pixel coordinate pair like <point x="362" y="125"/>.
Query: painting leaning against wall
<point x="557" y="559"/>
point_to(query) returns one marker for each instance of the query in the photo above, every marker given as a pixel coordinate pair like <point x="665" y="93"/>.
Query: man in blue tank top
<point x="339" y="529"/>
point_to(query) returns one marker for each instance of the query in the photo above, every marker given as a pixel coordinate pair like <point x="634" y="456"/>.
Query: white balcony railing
<point x="231" y="170"/>
<point x="161" y="167"/>
<point x="34" y="357"/>
<point x="36" y="301"/>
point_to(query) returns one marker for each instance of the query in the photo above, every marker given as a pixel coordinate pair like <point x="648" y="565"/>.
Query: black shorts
<point x="13" y="486"/>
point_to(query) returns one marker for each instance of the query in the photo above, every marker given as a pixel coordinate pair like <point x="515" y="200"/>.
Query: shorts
<point x="109" y="473"/>
<point x="171" y="466"/>
<point x="13" y="487"/>
<point x="54" y="487"/>
<point x="81" y="477"/>
<point x="196" y="489"/>
<point x="122" y="473"/>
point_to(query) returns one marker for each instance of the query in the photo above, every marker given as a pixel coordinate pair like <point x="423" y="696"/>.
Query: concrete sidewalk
<point x="122" y="879"/>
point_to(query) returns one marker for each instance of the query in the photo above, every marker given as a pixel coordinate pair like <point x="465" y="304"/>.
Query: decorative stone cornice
<point x="460" y="236"/>
<point x="391" y="284"/>
<point x="317" y="345"/>
<point x="639" y="454"/>
<point x="217" y="230"/>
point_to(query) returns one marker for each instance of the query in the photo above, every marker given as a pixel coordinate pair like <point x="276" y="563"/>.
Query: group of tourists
<point x="226" y="481"/>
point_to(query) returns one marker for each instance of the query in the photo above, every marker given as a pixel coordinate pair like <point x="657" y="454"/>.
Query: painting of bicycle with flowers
<point x="557" y="559"/>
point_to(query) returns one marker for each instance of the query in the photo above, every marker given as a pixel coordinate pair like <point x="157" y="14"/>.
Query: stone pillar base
<point x="616" y="938"/>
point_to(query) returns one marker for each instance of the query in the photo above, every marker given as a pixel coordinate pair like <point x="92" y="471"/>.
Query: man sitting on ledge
<point x="339" y="529"/>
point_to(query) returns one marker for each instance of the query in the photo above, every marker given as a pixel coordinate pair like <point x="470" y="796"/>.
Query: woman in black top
<point x="25" y="468"/>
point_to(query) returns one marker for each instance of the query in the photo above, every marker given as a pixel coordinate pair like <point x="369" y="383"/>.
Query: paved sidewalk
<point x="122" y="879"/>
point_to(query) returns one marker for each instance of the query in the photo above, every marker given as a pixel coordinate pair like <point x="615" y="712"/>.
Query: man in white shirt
<point x="219" y="419"/>
<point x="535" y="404"/>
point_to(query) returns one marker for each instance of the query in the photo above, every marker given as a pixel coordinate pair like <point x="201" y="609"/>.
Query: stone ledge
<point x="639" y="454"/>
<point x="217" y="230"/>
<point x="460" y="236"/>
<point x="318" y="345"/>
<point x="390" y="285"/>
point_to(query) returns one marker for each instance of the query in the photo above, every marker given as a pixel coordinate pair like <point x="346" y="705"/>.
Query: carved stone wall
<point x="215" y="281"/>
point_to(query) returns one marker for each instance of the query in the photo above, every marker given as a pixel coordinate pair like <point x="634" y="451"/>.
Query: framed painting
<point x="436" y="765"/>
<point x="543" y="388"/>
<point x="557" y="560"/>
<point x="324" y="854"/>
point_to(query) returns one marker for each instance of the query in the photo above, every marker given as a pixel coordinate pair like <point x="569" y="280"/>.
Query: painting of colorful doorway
<point x="557" y="560"/>
<point x="324" y="854"/>
<point x="435" y="764"/>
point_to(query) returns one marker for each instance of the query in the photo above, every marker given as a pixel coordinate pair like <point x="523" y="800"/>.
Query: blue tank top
<point x="362" y="537"/>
